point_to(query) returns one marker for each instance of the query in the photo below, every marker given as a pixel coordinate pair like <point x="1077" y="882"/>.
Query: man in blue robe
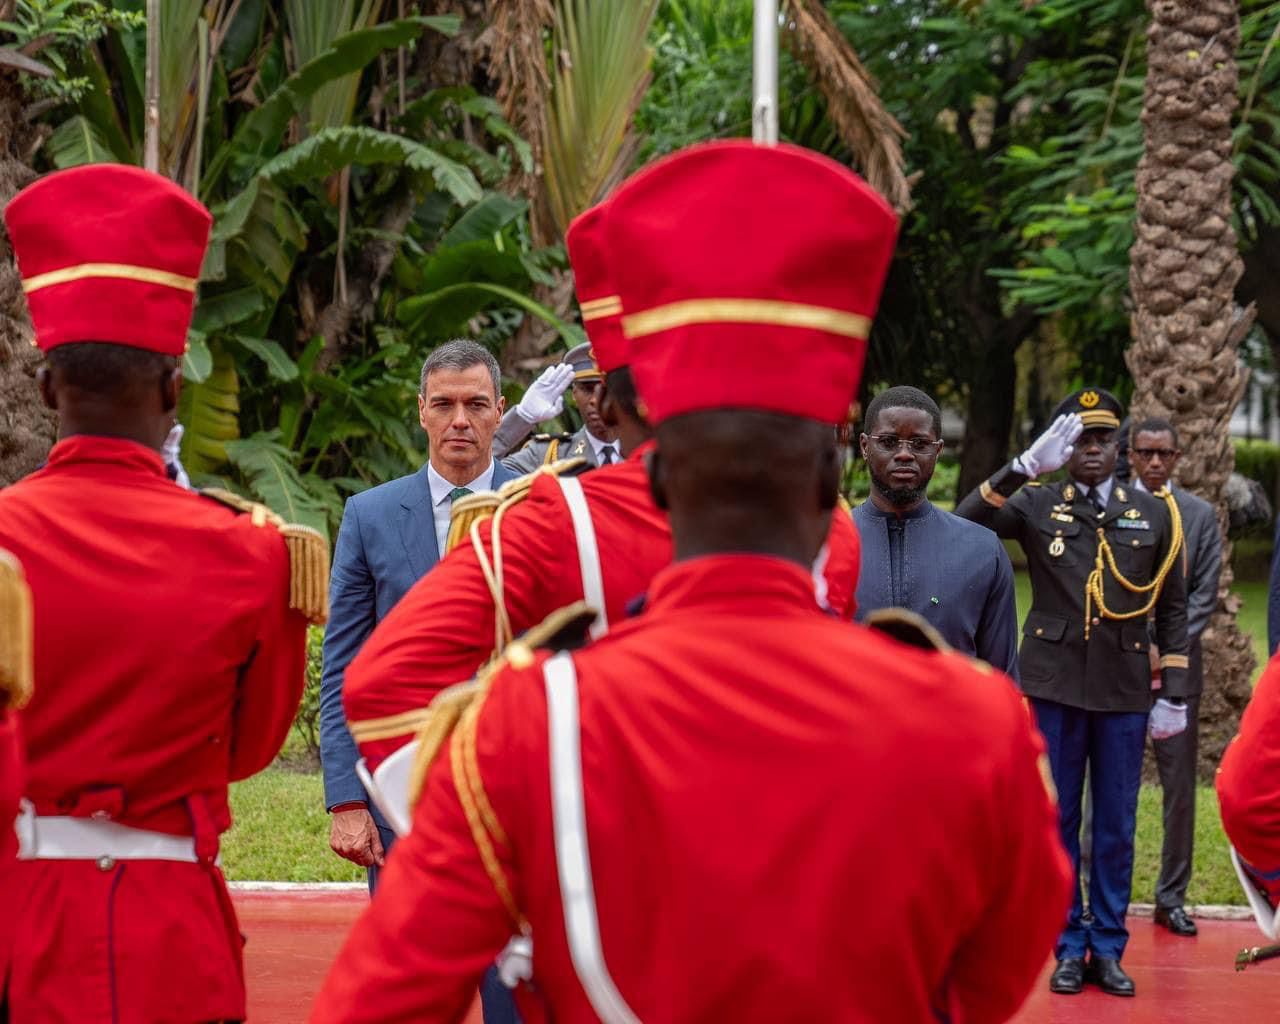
<point x="952" y="572"/>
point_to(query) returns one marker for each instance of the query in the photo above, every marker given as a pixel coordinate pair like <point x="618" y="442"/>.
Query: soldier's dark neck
<point x="108" y="420"/>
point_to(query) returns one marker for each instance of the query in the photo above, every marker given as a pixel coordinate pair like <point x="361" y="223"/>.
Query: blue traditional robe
<point x="954" y="573"/>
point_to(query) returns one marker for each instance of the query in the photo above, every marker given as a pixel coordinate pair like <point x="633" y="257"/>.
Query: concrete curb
<point x="1207" y="911"/>
<point x="299" y="887"/>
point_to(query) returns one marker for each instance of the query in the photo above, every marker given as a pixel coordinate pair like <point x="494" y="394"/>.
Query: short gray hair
<point x="461" y="354"/>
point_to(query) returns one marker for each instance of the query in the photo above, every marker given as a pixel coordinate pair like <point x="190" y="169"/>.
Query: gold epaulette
<point x="466" y="511"/>
<point x="308" y="554"/>
<point x="907" y="627"/>
<point x="456" y="712"/>
<point x="17" y="641"/>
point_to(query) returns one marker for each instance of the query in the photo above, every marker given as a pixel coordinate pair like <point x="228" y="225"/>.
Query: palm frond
<point x="867" y="128"/>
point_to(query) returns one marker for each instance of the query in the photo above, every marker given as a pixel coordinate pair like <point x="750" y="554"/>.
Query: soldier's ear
<point x="657" y="471"/>
<point x="44" y="381"/>
<point x="170" y="388"/>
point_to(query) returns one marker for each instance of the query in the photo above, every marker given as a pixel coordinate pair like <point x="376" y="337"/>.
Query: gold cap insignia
<point x="1089" y="399"/>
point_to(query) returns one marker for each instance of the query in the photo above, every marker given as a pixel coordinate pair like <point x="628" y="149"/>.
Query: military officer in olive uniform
<point x="1103" y="556"/>
<point x="595" y="442"/>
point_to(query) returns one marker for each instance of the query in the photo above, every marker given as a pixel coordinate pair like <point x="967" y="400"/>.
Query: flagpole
<point x="764" y="108"/>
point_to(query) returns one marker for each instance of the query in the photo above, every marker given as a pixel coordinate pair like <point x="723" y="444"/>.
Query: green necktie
<point x="458" y="492"/>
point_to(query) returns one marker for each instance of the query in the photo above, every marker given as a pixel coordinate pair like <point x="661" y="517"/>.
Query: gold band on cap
<point x="596" y="309"/>
<point x="1100" y="418"/>
<point x="746" y="311"/>
<point x="593" y="373"/>
<point x="121" y="271"/>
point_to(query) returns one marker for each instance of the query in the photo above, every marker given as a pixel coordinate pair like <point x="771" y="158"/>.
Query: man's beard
<point x="898" y="497"/>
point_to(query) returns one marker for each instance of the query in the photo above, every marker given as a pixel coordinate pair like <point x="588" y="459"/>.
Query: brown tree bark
<point x="27" y="428"/>
<point x="1186" y="326"/>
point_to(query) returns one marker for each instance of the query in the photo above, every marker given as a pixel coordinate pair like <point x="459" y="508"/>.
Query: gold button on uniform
<point x="1039" y="631"/>
<point x="1096" y="621"/>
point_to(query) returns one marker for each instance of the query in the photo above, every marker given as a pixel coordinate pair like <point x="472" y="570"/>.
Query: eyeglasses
<point x="1150" y="453"/>
<point x="890" y="443"/>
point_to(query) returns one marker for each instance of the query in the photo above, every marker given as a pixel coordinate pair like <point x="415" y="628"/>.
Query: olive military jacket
<point x="1059" y="529"/>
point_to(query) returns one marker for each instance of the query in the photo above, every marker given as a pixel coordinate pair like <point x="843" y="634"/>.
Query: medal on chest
<point x="1056" y="547"/>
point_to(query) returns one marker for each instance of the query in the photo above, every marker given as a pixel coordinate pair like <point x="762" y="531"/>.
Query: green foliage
<point x="306" y="724"/>
<point x="57" y="30"/>
<point x="309" y="177"/>
<point x="1260" y="460"/>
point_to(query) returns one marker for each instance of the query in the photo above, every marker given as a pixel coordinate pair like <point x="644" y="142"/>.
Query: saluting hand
<point x="353" y="835"/>
<point x="545" y="398"/>
<point x="1053" y="448"/>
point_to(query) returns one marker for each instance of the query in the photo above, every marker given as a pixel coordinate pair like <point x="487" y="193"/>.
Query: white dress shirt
<point x="442" y="504"/>
<point x="597" y="446"/>
<point x="1103" y="489"/>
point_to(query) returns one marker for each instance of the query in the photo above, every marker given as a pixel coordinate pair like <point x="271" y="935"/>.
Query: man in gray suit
<point x="390" y="536"/>
<point x="595" y="441"/>
<point x="1154" y="454"/>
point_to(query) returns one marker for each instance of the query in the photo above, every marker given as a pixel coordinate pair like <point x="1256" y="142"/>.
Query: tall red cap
<point x="748" y="278"/>
<point x="597" y="297"/>
<point x="111" y="253"/>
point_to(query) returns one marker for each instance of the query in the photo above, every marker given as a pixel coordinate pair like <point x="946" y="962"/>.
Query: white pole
<point x="764" y="108"/>
<point x="151" y="87"/>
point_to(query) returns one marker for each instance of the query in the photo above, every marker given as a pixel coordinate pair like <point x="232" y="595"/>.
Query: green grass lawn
<point x="281" y="830"/>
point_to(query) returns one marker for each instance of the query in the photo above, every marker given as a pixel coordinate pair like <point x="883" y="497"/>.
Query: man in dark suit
<point x="390" y="536"/>
<point x="1102" y="557"/>
<point x="1154" y="454"/>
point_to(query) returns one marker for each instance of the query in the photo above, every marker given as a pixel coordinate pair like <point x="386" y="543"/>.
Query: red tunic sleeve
<point x="1249" y="783"/>
<point x="428" y="643"/>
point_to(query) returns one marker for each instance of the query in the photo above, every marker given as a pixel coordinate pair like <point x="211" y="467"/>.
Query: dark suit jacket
<point x="1203" y="563"/>
<point x="1058" y="530"/>
<point x="386" y="543"/>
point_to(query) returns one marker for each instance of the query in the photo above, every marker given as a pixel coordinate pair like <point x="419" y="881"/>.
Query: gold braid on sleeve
<point x="1094" y="595"/>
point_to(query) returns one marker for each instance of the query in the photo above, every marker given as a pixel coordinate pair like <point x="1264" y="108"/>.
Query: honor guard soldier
<point x="169" y="628"/>
<point x="551" y="540"/>
<point x="674" y="816"/>
<point x="1103" y="556"/>
<point x="595" y="443"/>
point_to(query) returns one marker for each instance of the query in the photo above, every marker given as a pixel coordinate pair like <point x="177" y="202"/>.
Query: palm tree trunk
<point x="1186" y="326"/>
<point x="27" y="429"/>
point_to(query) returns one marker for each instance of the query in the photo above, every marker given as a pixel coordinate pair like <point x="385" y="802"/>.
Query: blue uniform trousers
<point x="496" y="1000"/>
<point x="1111" y="744"/>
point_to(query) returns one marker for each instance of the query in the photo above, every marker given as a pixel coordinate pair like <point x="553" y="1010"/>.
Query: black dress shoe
<point x="1176" y="920"/>
<point x="1068" y="977"/>
<point x="1109" y="976"/>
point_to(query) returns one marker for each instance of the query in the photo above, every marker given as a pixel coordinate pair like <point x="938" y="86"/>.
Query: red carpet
<point x="294" y="936"/>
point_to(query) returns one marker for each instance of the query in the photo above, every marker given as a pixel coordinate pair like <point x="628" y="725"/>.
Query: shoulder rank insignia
<point x="308" y="554"/>
<point x="17" y="641"/>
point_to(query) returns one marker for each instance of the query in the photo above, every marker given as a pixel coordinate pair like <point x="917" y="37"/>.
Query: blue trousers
<point x="1111" y="743"/>
<point x="496" y="1000"/>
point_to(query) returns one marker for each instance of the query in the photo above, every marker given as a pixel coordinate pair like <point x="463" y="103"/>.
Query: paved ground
<point x="293" y="936"/>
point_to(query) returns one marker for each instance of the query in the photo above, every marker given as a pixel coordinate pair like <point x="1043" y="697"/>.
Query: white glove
<point x="1053" y="448"/>
<point x="169" y="452"/>
<point x="545" y="398"/>
<point x="1167" y="719"/>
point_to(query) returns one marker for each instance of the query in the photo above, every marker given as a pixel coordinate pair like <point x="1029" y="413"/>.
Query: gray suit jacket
<point x="534" y="454"/>
<point x="1203" y="559"/>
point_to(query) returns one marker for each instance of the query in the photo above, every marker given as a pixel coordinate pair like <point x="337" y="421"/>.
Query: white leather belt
<point x="47" y="837"/>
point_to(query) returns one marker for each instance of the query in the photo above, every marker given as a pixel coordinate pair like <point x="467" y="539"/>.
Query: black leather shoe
<point x="1176" y="920"/>
<point x="1109" y="976"/>
<point x="1068" y="976"/>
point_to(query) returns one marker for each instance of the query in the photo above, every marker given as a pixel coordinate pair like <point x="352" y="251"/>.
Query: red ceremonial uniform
<point x="442" y="631"/>
<point x="747" y="763"/>
<point x="13" y="777"/>
<point x="167" y="664"/>
<point x="167" y="659"/>
<point x="1248" y="784"/>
